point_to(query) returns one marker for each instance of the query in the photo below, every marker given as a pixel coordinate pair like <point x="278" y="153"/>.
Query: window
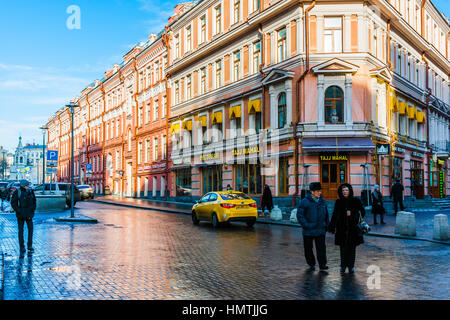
<point x="281" y="45"/>
<point x="117" y="128"/>
<point x="155" y="149"/>
<point x="399" y="60"/>
<point x="283" y="176"/>
<point x="237" y="65"/>
<point x="156" y="110"/>
<point x="212" y="179"/>
<point x="164" y="147"/>
<point x="256" y="5"/>
<point x="147" y="151"/>
<point x="139" y="155"/>
<point x="282" y="110"/>
<point x="148" y="112"/>
<point x="141" y="81"/>
<point x="177" y="92"/>
<point x="218" y="11"/>
<point x="157" y="71"/>
<point x="141" y="116"/>
<point x="334" y="105"/>
<point x="129" y="140"/>
<point x="183" y="182"/>
<point x="203" y="80"/>
<point x="237" y="10"/>
<point x="164" y="110"/>
<point x="333" y="34"/>
<point x="256" y="56"/>
<point x="117" y="160"/>
<point x="188" y="38"/>
<point x="177" y="46"/>
<point x="248" y="178"/>
<point x="218" y="74"/>
<point x="188" y="87"/>
<point x="203" y="29"/>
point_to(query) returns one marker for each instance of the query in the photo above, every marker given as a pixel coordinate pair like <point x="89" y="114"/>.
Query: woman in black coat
<point x="267" y="201"/>
<point x="377" y="205"/>
<point x="344" y="223"/>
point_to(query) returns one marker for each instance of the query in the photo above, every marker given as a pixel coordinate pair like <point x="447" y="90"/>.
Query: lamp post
<point x="43" y="128"/>
<point x="71" y="108"/>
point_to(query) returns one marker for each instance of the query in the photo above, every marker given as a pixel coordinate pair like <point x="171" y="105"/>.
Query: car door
<point x="201" y="206"/>
<point x="210" y="205"/>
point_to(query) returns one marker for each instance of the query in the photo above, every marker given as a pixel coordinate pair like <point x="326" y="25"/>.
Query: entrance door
<point x="332" y="174"/>
<point x="129" y="181"/>
<point x="417" y="183"/>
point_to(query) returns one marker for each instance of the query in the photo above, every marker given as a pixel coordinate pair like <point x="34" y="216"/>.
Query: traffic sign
<point x="52" y="170"/>
<point x="88" y="167"/>
<point x="383" y="149"/>
<point x="52" y="164"/>
<point x="52" y="155"/>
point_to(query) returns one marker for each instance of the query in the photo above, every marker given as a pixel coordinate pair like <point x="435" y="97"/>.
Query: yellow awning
<point x="175" y="128"/>
<point x="187" y="125"/>
<point x="394" y="104"/>
<point x="203" y="120"/>
<point x="412" y="112"/>
<point x="217" y="117"/>
<point x="254" y="106"/>
<point x="402" y="107"/>
<point x="235" y="112"/>
<point x="420" y="117"/>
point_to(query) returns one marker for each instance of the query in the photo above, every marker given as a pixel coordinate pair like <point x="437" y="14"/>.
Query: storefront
<point x="211" y="178"/>
<point x="417" y="176"/>
<point x="183" y="181"/>
<point x="333" y="172"/>
<point x="437" y="179"/>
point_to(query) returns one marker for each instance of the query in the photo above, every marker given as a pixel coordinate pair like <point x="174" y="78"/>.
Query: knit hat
<point x="375" y="187"/>
<point x="315" y="186"/>
<point x="24" y="183"/>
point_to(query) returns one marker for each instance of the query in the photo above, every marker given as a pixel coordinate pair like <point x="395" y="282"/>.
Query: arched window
<point x="334" y="105"/>
<point x="282" y="110"/>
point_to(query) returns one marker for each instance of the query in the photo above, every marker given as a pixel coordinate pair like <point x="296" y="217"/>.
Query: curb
<point x="287" y="224"/>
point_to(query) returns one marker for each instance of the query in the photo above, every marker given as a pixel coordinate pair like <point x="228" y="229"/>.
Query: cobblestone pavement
<point x="145" y="254"/>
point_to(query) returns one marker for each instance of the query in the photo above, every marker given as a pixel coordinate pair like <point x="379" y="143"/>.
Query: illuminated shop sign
<point x="334" y="157"/>
<point x="246" y="151"/>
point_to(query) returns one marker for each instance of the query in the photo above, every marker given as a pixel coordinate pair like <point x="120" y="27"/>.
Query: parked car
<point x="86" y="191"/>
<point x="12" y="186"/>
<point x="60" y="188"/>
<point x="225" y="206"/>
<point x="3" y="191"/>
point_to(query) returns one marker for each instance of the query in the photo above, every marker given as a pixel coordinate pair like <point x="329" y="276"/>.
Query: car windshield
<point x="234" y="196"/>
<point x="63" y="186"/>
<point x="83" y="187"/>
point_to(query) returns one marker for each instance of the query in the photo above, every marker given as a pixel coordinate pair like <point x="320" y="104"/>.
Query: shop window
<point x="282" y="110"/>
<point x="258" y="122"/>
<point x="283" y="176"/>
<point x="334" y="105"/>
<point x="183" y="182"/>
<point x="212" y="179"/>
<point x="248" y="178"/>
<point x="397" y="170"/>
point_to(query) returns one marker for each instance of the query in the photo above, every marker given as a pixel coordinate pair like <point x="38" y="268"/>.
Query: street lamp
<point x="43" y="128"/>
<point x="71" y="108"/>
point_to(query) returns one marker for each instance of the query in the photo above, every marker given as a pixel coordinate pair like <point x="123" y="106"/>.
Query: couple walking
<point x="312" y="215"/>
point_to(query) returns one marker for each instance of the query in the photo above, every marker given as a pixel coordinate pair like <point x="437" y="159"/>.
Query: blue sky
<point x="43" y="64"/>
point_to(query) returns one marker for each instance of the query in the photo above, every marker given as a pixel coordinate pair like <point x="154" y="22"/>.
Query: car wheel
<point x="250" y="223"/>
<point x="195" y="220"/>
<point x="215" y="221"/>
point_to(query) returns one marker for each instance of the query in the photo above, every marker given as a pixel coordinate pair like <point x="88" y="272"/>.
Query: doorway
<point x="332" y="175"/>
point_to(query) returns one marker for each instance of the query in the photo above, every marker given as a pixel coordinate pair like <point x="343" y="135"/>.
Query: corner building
<point x="288" y="92"/>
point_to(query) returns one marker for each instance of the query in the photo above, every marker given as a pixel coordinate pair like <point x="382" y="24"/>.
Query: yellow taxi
<point x="225" y="206"/>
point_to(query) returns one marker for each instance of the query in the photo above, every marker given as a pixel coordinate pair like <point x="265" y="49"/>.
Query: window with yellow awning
<point x="217" y="117"/>
<point x="235" y="112"/>
<point x="412" y="112"/>
<point x="203" y="120"/>
<point x="254" y="106"/>
<point x="402" y="107"/>
<point x="394" y="104"/>
<point x="420" y="117"/>
<point x="187" y="125"/>
<point x="175" y="128"/>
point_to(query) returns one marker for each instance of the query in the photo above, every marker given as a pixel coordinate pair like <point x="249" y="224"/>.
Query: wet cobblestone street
<point x="144" y="254"/>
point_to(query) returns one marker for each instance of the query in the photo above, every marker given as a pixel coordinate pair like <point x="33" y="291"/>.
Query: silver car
<point x="86" y="191"/>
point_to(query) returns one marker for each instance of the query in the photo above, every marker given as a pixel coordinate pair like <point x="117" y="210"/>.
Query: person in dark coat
<point x="23" y="201"/>
<point x="312" y="214"/>
<point x="397" y="193"/>
<point x="377" y="205"/>
<point x="344" y="224"/>
<point x="266" y="201"/>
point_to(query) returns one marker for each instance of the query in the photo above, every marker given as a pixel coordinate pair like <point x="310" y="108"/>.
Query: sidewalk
<point x="424" y="218"/>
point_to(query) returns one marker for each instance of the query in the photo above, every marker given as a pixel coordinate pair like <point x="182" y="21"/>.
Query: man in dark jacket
<point x="23" y="201"/>
<point x="312" y="214"/>
<point x="397" y="193"/>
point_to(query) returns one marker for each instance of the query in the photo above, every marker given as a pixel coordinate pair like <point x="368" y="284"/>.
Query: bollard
<point x="276" y="214"/>
<point x="441" y="229"/>
<point x="405" y="223"/>
<point x="294" y="216"/>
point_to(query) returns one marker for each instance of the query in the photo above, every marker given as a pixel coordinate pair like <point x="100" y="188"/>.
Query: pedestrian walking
<point x="397" y="193"/>
<point x="23" y="201"/>
<point x="229" y="188"/>
<point x="266" y="201"/>
<point x="344" y="224"/>
<point x="377" y="205"/>
<point x="312" y="214"/>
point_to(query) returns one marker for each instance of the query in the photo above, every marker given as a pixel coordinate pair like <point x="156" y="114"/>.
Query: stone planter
<point x="293" y="218"/>
<point x="276" y="214"/>
<point x="441" y="229"/>
<point x="405" y="223"/>
<point x="50" y="203"/>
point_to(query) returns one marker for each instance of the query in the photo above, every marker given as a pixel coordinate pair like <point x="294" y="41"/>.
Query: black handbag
<point x="363" y="226"/>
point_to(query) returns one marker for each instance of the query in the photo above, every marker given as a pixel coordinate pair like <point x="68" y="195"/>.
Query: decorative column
<point x="348" y="118"/>
<point x="320" y="101"/>
<point x="288" y="86"/>
<point x="273" y="103"/>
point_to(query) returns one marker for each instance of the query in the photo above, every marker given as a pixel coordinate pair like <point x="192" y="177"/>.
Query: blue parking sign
<point x="88" y="167"/>
<point x="52" y="155"/>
